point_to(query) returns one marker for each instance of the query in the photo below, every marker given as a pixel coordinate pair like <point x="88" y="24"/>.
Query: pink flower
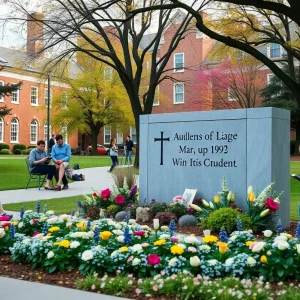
<point x="272" y="205"/>
<point x="139" y="233"/>
<point x="105" y="193"/>
<point x="130" y="259"/>
<point x="137" y="291"/>
<point x="4" y="224"/>
<point x="93" y="287"/>
<point x="4" y="218"/>
<point x="192" y="249"/>
<point x="153" y="259"/>
<point x="144" y="245"/>
<point x="36" y="233"/>
<point x="120" y="200"/>
<point x="174" y="239"/>
<point x="35" y="221"/>
<point x="155" y="288"/>
<point x="178" y="199"/>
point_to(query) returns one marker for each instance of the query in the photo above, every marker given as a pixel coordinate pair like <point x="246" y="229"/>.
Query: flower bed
<point x="59" y="243"/>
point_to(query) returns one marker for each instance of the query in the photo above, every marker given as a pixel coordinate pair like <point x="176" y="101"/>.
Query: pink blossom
<point x="137" y="291"/>
<point x="105" y="193"/>
<point x="4" y="224"/>
<point x="139" y="233"/>
<point x="144" y="245"/>
<point x="153" y="259"/>
<point x="192" y="249"/>
<point x="4" y="218"/>
<point x="174" y="239"/>
<point x="93" y="287"/>
<point x="130" y="259"/>
<point x="272" y="205"/>
<point x="120" y="200"/>
<point x="36" y="233"/>
<point x="155" y="288"/>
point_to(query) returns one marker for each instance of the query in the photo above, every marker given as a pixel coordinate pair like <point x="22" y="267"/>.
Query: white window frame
<point x="156" y="96"/>
<point x="46" y="97"/>
<point x="120" y="135"/>
<point x="17" y="93"/>
<point x="36" y="95"/>
<point x="64" y="131"/>
<point x="269" y="76"/>
<point x="2" y="97"/>
<point x="108" y="76"/>
<point x="1" y="130"/>
<point x="105" y="135"/>
<point x="179" y="70"/>
<point x="34" y="124"/>
<point x="64" y="100"/>
<point x="17" y="131"/>
<point x="229" y="95"/>
<point x="269" y="51"/>
<point x="133" y="133"/>
<point x="174" y="93"/>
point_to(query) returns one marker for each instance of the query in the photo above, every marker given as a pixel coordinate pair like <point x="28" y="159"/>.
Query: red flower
<point x="95" y="195"/>
<point x="139" y="233"/>
<point x="153" y="259"/>
<point x="4" y="218"/>
<point x="272" y="205"/>
<point x="120" y="200"/>
<point x="35" y="221"/>
<point x="36" y="233"/>
<point x="105" y="193"/>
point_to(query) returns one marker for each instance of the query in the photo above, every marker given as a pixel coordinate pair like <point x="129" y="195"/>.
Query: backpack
<point x="76" y="167"/>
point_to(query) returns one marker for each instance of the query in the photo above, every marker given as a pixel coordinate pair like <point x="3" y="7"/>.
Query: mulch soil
<point x="295" y="158"/>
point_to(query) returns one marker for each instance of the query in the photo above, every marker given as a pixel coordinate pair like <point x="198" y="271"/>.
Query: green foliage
<point x="292" y="147"/>
<point x="18" y="151"/>
<point x="165" y="218"/>
<point x="113" y="209"/>
<point x="157" y="207"/>
<point x="177" y="209"/>
<point x="31" y="147"/>
<point x="4" y="146"/>
<point x="4" y="151"/>
<point x="19" y="146"/>
<point x="227" y="218"/>
<point x="93" y="213"/>
<point x="187" y="220"/>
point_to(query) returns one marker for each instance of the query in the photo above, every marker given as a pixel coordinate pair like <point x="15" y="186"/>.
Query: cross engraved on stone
<point x="161" y="140"/>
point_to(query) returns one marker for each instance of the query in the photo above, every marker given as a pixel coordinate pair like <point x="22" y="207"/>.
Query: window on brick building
<point x="64" y="132"/>
<point x="178" y="93"/>
<point x="156" y="97"/>
<point x="178" y="62"/>
<point x="120" y="135"/>
<point x="269" y="77"/>
<point x="275" y="50"/>
<point x="64" y="100"/>
<point x="107" y="134"/>
<point x="15" y="96"/>
<point x="1" y="130"/>
<point x="14" y="130"/>
<point x="1" y="97"/>
<point x="108" y="73"/>
<point x="34" y="95"/>
<point x="133" y="133"/>
<point x="46" y="97"/>
<point x="46" y="131"/>
<point x="34" y="126"/>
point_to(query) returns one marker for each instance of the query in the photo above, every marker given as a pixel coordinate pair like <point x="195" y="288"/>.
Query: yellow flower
<point x="209" y="239"/>
<point x="205" y="203"/>
<point x="176" y="249"/>
<point x="80" y="224"/>
<point x="54" y="229"/>
<point x="65" y="243"/>
<point x="249" y="243"/>
<point x="15" y="223"/>
<point x="43" y="218"/>
<point x="251" y="197"/>
<point x="49" y="234"/>
<point x="55" y="243"/>
<point x="263" y="259"/>
<point x="264" y="213"/>
<point x="216" y="199"/>
<point x="123" y="249"/>
<point x="105" y="235"/>
<point x="222" y="247"/>
<point x="164" y="227"/>
<point x="196" y="207"/>
<point x="159" y="242"/>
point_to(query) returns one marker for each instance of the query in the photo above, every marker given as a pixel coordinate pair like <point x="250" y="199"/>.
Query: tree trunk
<point x="137" y="147"/>
<point x="94" y="134"/>
<point x="297" y="138"/>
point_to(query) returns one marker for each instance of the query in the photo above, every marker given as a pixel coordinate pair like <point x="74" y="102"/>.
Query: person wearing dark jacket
<point x="128" y="148"/>
<point x="51" y="142"/>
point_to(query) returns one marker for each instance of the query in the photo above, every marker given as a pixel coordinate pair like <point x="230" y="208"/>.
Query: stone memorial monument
<point x="196" y="149"/>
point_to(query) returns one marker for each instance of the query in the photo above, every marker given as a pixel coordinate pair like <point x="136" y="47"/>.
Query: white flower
<point x="64" y="217"/>
<point x="120" y="238"/>
<point x="289" y="236"/>
<point x="50" y="212"/>
<point x="90" y="233"/>
<point x="251" y="261"/>
<point x="118" y="232"/>
<point x="114" y="253"/>
<point x="46" y="238"/>
<point x="20" y="225"/>
<point x="258" y="246"/>
<point x="298" y="248"/>
<point x="136" y="262"/>
<point x="267" y="233"/>
<point x="233" y="237"/>
<point x="212" y="262"/>
<point x="280" y="238"/>
<point x="164" y="236"/>
<point x="145" y="227"/>
<point x="31" y="222"/>
<point x="182" y="245"/>
<point x="211" y="205"/>
<point x="69" y="224"/>
<point x="195" y="261"/>
<point x="282" y="245"/>
<point x="204" y="247"/>
<point x="28" y="211"/>
<point x="2" y="233"/>
<point x="37" y="236"/>
<point x="52" y="220"/>
<point x="87" y="255"/>
<point x="173" y="261"/>
<point x="26" y="241"/>
<point x="191" y="240"/>
<point x="111" y="223"/>
<point x="132" y="221"/>
<point x="118" y="226"/>
<point x="137" y="248"/>
<point x="84" y="235"/>
<point x="250" y="189"/>
<point x="74" y="244"/>
<point x="50" y="254"/>
<point x="205" y="203"/>
<point x="229" y="261"/>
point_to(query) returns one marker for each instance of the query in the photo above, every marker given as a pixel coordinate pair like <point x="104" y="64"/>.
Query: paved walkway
<point x="96" y="178"/>
<point x="24" y="290"/>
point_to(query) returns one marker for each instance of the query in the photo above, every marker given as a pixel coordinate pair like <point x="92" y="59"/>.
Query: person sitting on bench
<point x="39" y="163"/>
<point x="61" y="155"/>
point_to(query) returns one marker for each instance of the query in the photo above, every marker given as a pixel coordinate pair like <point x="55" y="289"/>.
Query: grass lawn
<point x="14" y="173"/>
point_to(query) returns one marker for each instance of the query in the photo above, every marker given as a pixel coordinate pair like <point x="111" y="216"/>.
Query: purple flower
<point x="132" y="192"/>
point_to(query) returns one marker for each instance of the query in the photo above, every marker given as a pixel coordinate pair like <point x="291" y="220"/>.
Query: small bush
<point x="292" y="147"/>
<point x="19" y="146"/>
<point x="113" y="209"/>
<point x="4" y="146"/>
<point x="132" y="209"/>
<point x="177" y="209"/>
<point x="4" y="151"/>
<point x="93" y="213"/>
<point x="165" y="218"/>
<point x="31" y="147"/>
<point x="157" y="207"/>
<point x="227" y="218"/>
<point x="17" y="151"/>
